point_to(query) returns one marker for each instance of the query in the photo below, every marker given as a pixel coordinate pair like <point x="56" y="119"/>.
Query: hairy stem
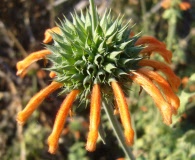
<point x="144" y="16"/>
<point x="171" y="33"/>
<point x="118" y="131"/>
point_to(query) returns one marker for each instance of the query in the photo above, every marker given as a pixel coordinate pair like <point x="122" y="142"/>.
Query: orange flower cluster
<point x="183" y="5"/>
<point x="161" y="89"/>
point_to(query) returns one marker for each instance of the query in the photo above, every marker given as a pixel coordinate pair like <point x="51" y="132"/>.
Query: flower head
<point x="95" y="59"/>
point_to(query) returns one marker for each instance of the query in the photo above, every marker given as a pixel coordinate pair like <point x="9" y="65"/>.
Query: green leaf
<point x="77" y="77"/>
<point x="88" y="23"/>
<point x="101" y="48"/>
<point x="133" y="51"/>
<point x="111" y="29"/>
<point x="101" y="75"/>
<point x="79" y="63"/>
<point x="121" y="32"/>
<point x="69" y="59"/>
<point x="96" y="39"/>
<point x="123" y="45"/>
<point x="99" y="31"/>
<point x="94" y="15"/>
<point x="98" y="60"/>
<point x="57" y="37"/>
<point x="64" y="47"/>
<point x="121" y="19"/>
<point x="113" y="55"/>
<point x="68" y="37"/>
<point x="78" y="22"/>
<point x="110" y="39"/>
<point x="52" y="48"/>
<point x="109" y="67"/>
<point x="69" y="24"/>
<point x="124" y="61"/>
<point x="82" y="17"/>
<point x="91" y="69"/>
<point x="104" y="21"/>
<point x="81" y="37"/>
<point x="87" y="80"/>
<point x="77" y="50"/>
<point x="120" y="72"/>
<point x="88" y="41"/>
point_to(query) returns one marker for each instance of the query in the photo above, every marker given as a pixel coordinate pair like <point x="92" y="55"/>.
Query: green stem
<point x="144" y="17"/>
<point x="118" y="131"/>
<point x="93" y="12"/>
<point x="171" y="33"/>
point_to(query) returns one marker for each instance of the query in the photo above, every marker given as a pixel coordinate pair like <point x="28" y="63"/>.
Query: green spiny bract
<point x="82" y="57"/>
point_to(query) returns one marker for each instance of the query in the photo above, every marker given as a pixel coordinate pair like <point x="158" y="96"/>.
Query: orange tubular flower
<point x="33" y="57"/>
<point x="164" y="85"/>
<point x="90" y="52"/>
<point x="154" y="45"/>
<point x="149" y="40"/>
<point x="166" y="54"/>
<point x="35" y="101"/>
<point x="60" y="120"/>
<point x="48" y="33"/>
<point x="124" y="112"/>
<point x="173" y="80"/>
<point x="164" y="107"/>
<point x="95" y="109"/>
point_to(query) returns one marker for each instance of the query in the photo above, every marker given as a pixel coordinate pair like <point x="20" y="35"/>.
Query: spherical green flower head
<point x="83" y="56"/>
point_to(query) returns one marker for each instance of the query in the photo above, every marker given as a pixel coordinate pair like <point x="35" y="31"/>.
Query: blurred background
<point x="22" y="26"/>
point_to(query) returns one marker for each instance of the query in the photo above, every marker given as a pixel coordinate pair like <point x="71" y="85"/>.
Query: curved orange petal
<point x="31" y="58"/>
<point x="153" y="91"/>
<point x="95" y="109"/>
<point x="148" y="40"/>
<point x="35" y="101"/>
<point x="166" y="54"/>
<point x="164" y="85"/>
<point x="124" y="112"/>
<point x="60" y="120"/>
<point x="173" y="80"/>
<point x="48" y="37"/>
